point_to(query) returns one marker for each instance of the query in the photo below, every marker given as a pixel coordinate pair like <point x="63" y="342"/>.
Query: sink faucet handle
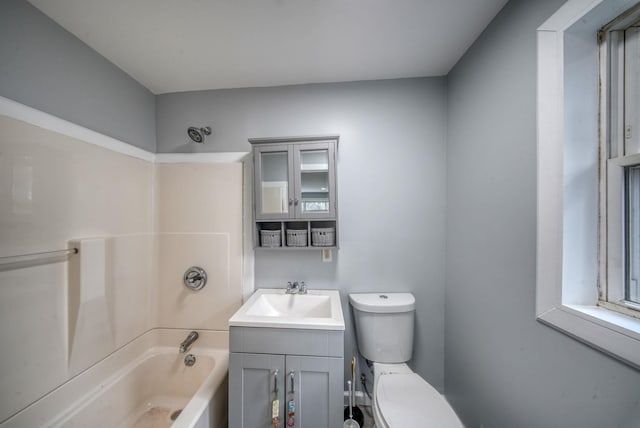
<point x="302" y="288"/>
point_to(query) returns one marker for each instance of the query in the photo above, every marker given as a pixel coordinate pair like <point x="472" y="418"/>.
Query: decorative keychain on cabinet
<point x="275" y="404"/>
<point x="291" y="405"/>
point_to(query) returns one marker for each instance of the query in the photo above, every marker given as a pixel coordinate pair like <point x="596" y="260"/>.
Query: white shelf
<point x="314" y="168"/>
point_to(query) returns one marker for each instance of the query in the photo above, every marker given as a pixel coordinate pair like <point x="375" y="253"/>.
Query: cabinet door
<point x="274" y="193"/>
<point x="253" y="385"/>
<point x="317" y="390"/>
<point x="315" y="187"/>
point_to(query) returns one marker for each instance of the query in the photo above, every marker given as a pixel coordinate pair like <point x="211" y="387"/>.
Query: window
<point x="619" y="278"/>
<point x="632" y="233"/>
<point x="583" y="254"/>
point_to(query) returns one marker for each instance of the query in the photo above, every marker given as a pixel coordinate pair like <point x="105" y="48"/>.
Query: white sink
<point x="317" y="310"/>
<point x="289" y="305"/>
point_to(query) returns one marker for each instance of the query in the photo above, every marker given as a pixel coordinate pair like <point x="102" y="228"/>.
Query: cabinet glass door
<point x="273" y="183"/>
<point x="315" y="188"/>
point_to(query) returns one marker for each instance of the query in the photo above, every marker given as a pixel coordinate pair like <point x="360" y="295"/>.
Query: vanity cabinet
<point x="295" y="189"/>
<point x="266" y="364"/>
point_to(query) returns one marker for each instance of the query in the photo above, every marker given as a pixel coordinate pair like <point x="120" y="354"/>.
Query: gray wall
<point x="391" y="186"/>
<point x="47" y="68"/>
<point x="502" y="368"/>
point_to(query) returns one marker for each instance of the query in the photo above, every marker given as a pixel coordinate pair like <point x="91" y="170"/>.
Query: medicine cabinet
<point x="295" y="195"/>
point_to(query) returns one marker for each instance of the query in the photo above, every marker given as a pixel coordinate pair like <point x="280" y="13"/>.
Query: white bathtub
<point x="142" y="385"/>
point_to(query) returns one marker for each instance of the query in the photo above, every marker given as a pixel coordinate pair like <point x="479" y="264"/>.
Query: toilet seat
<point x="406" y="399"/>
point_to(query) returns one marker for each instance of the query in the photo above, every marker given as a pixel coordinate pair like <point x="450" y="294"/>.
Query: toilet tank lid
<point x="383" y="302"/>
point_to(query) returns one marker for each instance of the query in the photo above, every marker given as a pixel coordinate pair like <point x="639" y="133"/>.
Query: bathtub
<point x="143" y="384"/>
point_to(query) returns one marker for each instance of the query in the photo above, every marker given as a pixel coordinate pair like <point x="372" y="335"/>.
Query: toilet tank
<point x="384" y="325"/>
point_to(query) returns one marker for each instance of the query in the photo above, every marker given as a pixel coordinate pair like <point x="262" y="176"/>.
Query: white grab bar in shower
<point x="32" y="257"/>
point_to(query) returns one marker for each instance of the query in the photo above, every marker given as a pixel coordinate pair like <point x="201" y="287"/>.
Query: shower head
<point x="198" y="134"/>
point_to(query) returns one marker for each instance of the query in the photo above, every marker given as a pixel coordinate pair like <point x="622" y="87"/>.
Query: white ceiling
<point x="172" y="46"/>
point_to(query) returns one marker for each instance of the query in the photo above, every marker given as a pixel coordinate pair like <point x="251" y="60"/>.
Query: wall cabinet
<point x="295" y="190"/>
<point x="312" y="382"/>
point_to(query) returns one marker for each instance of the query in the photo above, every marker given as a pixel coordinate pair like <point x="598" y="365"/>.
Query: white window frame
<point x="562" y="302"/>
<point x="614" y="158"/>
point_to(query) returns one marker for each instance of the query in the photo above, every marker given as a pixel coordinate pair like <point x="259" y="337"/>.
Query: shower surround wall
<point x="199" y="222"/>
<point x="54" y="189"/>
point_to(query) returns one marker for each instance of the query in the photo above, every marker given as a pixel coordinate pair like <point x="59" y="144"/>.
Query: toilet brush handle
<point x="350" y="400"/>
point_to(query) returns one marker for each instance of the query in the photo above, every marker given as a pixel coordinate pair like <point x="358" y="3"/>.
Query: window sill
<point x="613" y="333"/>
<point x="609" y="318"/>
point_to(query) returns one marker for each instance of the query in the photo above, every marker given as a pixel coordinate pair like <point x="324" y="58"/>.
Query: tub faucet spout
<point x="184" y="346"/>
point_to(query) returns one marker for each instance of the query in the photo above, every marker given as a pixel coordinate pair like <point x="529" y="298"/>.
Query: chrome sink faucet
<point x="192" y="337"/>
<point x="293" y="288"/>
<point x="296" y="288"/>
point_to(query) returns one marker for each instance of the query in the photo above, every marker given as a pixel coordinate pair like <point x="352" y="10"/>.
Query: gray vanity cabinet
<point x="267" y="364"/>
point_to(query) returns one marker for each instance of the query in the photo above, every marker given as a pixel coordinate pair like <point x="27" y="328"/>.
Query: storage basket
<point x="296" y="237"/>
<point x="323" y="236"/>
<point x="270" y="238"/>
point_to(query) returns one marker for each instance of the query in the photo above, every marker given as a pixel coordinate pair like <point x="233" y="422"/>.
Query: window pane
<point x="633" y="233"/>
<point x="631" y="90"/>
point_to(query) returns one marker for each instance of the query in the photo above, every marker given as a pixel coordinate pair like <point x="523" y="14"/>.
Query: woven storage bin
<point x="323" y="236"/>
<point x="296" y="237"/>
<point x="270" y="238"/>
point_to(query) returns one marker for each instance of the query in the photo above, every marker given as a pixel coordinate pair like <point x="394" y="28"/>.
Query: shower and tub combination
<point x="93" y="309"/>
<point x="147" y="383"/>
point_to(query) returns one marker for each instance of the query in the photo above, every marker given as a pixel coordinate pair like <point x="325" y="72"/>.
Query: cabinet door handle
<point x="290" y="202"/>
<point x="295" y="201"/>
<point x="292" y="377"/>
<point x="275" y="381"/>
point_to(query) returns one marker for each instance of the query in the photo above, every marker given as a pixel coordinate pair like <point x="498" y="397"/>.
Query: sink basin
<point x="318" y="309"/>
<point x="289" y="305"/>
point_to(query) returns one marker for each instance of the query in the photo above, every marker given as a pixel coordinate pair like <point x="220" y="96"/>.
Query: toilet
<point x="384" y="332"/>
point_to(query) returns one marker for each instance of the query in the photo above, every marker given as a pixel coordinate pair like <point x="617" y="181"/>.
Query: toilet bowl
<point x="384" y="332"/>
<point x="404" y="399"/>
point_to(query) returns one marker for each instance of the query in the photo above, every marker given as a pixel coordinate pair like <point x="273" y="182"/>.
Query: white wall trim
<point x="248" y="253"/>
<point x="568" y="14"/>
<point x="549" y="175"/>
<point x="21" y="112"/>
<point x="609" y="332"/>
<point x="221" y="157"/>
